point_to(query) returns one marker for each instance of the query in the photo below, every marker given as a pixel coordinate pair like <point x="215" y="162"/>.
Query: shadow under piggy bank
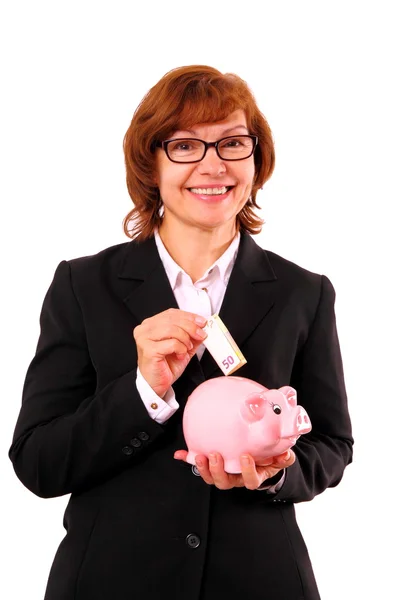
<point x="235" y="416"/>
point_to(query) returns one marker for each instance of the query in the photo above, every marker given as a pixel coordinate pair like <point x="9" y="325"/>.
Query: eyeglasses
<point x="191" y="150"/>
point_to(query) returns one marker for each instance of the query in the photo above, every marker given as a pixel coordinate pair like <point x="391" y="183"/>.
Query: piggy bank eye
<point x="277" y="409"/>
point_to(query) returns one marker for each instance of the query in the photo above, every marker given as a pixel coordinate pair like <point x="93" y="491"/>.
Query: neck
<point x="194" y="249"/>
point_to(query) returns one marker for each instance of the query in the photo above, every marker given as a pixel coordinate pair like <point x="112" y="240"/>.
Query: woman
<point x="121" y="348"/>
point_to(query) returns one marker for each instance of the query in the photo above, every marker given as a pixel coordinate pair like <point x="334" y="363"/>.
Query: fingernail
<point x="245" y="460"/>
<point x="201" y="333"/>
<point x="200" y="320"/>
<point x="213" y="460"/>
<point x="198" y="462"/>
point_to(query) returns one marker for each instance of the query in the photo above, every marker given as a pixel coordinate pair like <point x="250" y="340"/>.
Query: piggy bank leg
<point x="191" y="457"/>
<point x="232" y="465"/>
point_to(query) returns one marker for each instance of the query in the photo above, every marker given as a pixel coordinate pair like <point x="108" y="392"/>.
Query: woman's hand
<point x="252" y="476"/>
<point x="165" y="344"/>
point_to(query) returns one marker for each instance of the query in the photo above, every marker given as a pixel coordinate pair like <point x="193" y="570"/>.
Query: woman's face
<point x="183" y="187"/>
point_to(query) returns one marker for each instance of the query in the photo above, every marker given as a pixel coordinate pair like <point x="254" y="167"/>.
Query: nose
<point x="303" y="423"/>
<point x="211" y="164"/>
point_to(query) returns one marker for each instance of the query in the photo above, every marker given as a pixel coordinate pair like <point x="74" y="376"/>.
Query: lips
<point x="211" y="190"/>
<point x="208" y="195"/>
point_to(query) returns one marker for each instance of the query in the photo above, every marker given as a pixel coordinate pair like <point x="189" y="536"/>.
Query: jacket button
<point x="135" y="443"/>
<point x="193" y="540"/>
<point x="142" y="435"/>
<point x="195" y="471"/>
<point x="127" y="450"/>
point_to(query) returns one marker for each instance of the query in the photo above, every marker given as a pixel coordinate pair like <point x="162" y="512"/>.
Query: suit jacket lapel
<point x="151" y="292"/>
<point x="248" y="297"/>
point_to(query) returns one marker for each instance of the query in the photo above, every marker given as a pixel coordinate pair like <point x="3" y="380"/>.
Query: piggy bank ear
<point x="290" y="393"/>
<point x="253" y="408"/>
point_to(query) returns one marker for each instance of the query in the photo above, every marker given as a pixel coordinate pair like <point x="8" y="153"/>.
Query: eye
<point x="277" y="409"/>
<point x="181" y="146"/>
<point x="233" y="143"/>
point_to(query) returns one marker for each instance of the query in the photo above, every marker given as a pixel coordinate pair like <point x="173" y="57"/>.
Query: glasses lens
<point x="235" y="148"/>
<point x="183" y="150"/>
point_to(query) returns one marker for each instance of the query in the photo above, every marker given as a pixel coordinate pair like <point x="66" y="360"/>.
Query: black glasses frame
<point x="207" y="145"/>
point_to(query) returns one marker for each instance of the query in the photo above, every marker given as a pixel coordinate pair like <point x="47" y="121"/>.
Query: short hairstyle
<point x="184" y="97"/>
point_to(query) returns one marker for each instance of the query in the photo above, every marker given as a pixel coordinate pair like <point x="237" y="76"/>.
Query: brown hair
<point x="182" y="98"/>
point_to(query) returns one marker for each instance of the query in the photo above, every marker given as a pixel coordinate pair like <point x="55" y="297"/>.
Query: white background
<point x="326" y="76"/>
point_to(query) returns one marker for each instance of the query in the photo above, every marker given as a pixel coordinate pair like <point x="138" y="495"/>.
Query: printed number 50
<point x="228" y="361"/>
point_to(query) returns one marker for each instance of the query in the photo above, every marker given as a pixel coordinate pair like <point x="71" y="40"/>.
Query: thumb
<point x="196" y="345"/>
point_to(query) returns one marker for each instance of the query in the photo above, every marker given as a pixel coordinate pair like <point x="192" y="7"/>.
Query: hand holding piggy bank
<point x="235" y="416"/>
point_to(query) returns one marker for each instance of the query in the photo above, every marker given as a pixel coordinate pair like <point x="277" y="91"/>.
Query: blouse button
<point x="154" y="405"/>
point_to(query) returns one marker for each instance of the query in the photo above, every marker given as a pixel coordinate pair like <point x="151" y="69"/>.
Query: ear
<point x="253" y="408"/>
<point x="290" y="393"/>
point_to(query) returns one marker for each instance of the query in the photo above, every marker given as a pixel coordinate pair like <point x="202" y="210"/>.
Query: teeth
<point x="210" y="191"/>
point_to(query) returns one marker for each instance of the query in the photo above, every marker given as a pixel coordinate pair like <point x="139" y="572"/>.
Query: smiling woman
<point x="121" y="350"/>
<point x="196" y="102"/>
<point x="208" y="193"/>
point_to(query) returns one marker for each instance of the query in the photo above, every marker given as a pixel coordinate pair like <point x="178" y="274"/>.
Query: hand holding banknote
<point x="165" y="345"/>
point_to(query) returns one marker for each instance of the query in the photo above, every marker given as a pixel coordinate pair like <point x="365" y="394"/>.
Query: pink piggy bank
<point x="235" y="415"/>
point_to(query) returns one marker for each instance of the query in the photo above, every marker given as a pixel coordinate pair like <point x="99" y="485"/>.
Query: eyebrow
<point x="222" y="133"/>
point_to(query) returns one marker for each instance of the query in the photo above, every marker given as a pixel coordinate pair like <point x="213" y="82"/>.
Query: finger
<point x="284" y="460"/>
<point x="267" y="472"/>
<point x="195" y="331"/>
<point x="266" y="462"/>
<point x="161" y="349"/>
<point x="202" y="465"/>
<point x="181" y="455"/>
<point x="159" y="332"/>
<point x="159" y="328"/>
<point x="176" y="314"/>
<point x="178" y="317"/>
<point x="218" y="473"/>
<point x="251" y="476"/>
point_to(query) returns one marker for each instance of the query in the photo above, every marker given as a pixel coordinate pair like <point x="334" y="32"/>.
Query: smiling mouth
<point x="214" y="191"/>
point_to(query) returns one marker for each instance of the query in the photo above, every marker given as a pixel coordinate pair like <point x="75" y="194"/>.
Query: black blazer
<point x="139" y="523"/>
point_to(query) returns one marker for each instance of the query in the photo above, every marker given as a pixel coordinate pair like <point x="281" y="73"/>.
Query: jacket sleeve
<point x="68" y="437"/>
<point x="322" y="454"/>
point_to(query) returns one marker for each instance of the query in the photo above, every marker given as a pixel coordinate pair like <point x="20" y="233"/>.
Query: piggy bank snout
<point x="303" y="422"/>
<point x="298" y="425"/>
